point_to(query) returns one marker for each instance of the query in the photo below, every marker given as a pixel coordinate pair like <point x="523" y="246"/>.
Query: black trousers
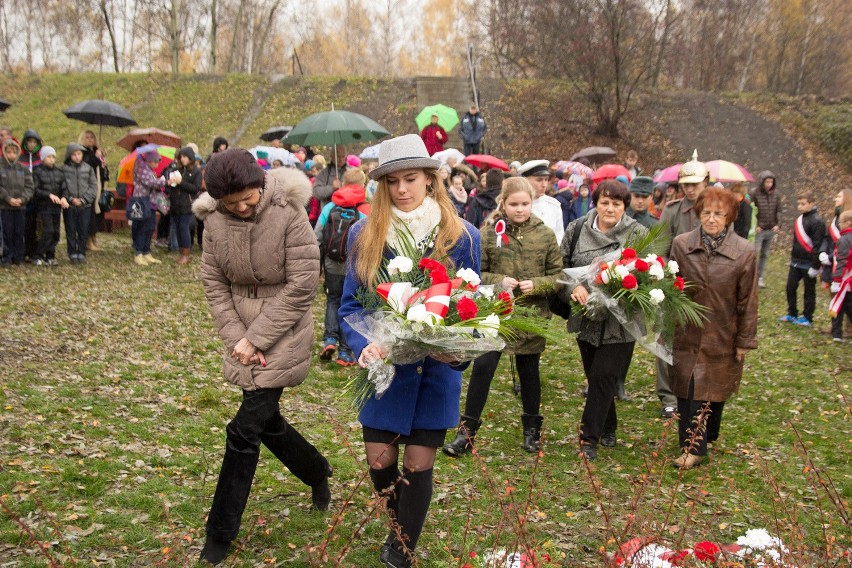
<point x="604" y="366"/>
<point x="257" y="421"/>
<point x="705" y="428"/>
<point x="844" y="312"/>
<point x="793" y="277"/>
<point x="483" y="371"/>
<point x="46" y="246"/>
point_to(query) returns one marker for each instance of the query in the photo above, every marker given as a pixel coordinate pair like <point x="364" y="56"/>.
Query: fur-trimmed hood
<point x="283" y="186"/>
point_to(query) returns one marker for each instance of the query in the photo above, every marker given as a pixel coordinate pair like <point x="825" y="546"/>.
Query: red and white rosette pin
<point x="438" y="299"/>
<point x="500" y="231"/>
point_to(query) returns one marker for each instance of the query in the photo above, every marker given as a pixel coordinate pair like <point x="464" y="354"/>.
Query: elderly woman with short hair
<point x="719" y="265"/>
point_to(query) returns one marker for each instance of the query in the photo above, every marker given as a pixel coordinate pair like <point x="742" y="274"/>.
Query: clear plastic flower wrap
<point x="408" y="342"/>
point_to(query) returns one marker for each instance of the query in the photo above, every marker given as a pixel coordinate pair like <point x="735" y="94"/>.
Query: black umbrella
<point x="4" y="104"/>
<point x="103" y="113"/>
<point x="275" y="133"/>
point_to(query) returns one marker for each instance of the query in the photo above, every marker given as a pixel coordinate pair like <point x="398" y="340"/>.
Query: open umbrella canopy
<point x="335" y="127"/>
<point x="448" y="118"/>
<point x="484" y="160"/>
<point x="444" y="155"/>
<point x="270" y="154"/>
<point x="567" y="166"/>
<point x="723" y="171"/>
<point x="149" y="136"/>
<point x="4" y="104"/>
<point x="594" y="153"/>
<point x="668" y="175"/>
<point x="275" y="133"/>
<point x="125" y="167"/>
<point x="610" y="171"/>
<point x="104" y="113"/>
<point x="370" y="152"/>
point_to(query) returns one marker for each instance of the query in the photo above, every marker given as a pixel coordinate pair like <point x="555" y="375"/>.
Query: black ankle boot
<point x="394" y="558"/>
<point x="532" y="431"/>
<point x="465" y="436"/>
<point x="320" y="493"/>
<point x="214" y="551"/>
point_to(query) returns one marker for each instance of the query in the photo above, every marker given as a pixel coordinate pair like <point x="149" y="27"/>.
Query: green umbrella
<point x="447" y="117"/>
<point x="335" y="127"/>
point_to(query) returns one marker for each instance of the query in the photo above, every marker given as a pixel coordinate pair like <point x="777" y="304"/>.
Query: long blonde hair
<point x="370" y="242"/>
<point x="81" y="139"/>
<point x="511" y="186"/>
<point x="847" y="200"/>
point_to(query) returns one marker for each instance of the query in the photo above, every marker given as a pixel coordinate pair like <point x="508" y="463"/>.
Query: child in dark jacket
<point x="16" y="190"/>
<point x="841" y="285"/>
<point x="50" y="191"/>
<point x="808" y="234"/>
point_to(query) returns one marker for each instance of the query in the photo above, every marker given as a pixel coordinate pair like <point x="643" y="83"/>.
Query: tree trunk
<point x="237" y="25"/>
<point x="108" y="24"/>
<point x="664" y="39"/>
<point x="175" y="35"/>
<point x="214" y="25"/>
<point x="809" y="18"/>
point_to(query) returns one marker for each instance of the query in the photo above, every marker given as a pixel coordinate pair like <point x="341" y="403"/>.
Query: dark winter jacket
<point x="49" y="181"/>
<point x="16" y="182"/>
<point x="742" y="226"/>
<point x="642" y="217"/>
<point x="79" y="178"/>
<point x="577" y="208"/>
<point x="566" y="202"/>
<point x="30" y="160"/>
<point x="182" y="194"/>
<point x="324" y="183"/>
<point x="472" y="128"/>
<point x="768" y="202"/>
<point x="843" y="255"/>
<point x="481" y="205"/>
<point x="814" y="228"/>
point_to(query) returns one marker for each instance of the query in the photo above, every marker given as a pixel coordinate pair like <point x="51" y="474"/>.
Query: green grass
<point x="113" y="410"/>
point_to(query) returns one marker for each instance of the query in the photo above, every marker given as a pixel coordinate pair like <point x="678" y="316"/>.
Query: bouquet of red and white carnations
<point x="645" y="294"/>
<point x="419" y="309"/>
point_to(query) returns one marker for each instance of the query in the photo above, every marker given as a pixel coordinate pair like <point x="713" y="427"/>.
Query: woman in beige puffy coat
<point x="260" y="269"/>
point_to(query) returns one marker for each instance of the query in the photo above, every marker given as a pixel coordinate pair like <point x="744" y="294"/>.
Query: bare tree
<point x="102" y="4"/>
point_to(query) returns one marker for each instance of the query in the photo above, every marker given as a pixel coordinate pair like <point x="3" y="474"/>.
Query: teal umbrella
<point x="447" y="117"/>
<point x="335" y="127"/>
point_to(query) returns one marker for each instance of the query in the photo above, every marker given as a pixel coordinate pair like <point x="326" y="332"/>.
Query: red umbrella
<point x="483" y="160"/>
<point x="668" y="175"/>
<point x="149" y="136"/>
<point x="610" y="171"/>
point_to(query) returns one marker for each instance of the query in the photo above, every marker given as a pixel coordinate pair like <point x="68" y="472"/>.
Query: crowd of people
<point x="271" y="233"/>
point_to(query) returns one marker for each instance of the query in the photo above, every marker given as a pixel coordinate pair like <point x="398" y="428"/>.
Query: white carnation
<point x="657" y="296"/>
<point x="418" y="313"/>
<point x="621" y="271"/>
<point x="656" y="272"/>
<point x="673" y="267"/>
<point x="651" y="259"/>
<point x="490" y="326"/>
<point x="605" y="277"/>
<point x="469" y="276"/>
<point x="487" y="291"/>
<point x="399" y="264"/>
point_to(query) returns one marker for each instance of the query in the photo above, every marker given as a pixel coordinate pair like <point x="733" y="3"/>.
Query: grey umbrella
<point x="103" y="113"/>
<point x="594" y="153"/>
<point x="275" y="133"/>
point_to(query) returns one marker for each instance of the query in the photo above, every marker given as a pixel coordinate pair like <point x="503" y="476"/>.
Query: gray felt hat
<point x="403" y="153"/>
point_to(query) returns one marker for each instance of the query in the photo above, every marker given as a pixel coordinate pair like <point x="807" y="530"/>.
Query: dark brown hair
<point x="232" y="171"/>
<point x="725" y="197"/>
<point x="613" y="189"/>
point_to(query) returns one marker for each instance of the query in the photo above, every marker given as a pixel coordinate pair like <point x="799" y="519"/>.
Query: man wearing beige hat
<point x="679" y="217"/>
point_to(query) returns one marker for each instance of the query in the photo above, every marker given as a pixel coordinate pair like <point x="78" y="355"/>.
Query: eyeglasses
<point x="717" y="214"/>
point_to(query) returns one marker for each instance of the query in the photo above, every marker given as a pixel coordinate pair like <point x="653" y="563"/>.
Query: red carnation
<point x="641" y="265"/>
<point x="507" y="302"/>
<point x="675" y="557"/>
<point x="706" y="551"/>
<point x="628" y="253"/>
<point x="467" y="308"/>
<point x="662" y="261"/>
<point x="678" y="283"/>
<point x="439" y="276"/>
<point x="629" y="282"/>
<point x="429" y="264"/>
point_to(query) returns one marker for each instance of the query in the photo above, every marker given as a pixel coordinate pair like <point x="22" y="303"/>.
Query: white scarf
<point x="421" y="222"/>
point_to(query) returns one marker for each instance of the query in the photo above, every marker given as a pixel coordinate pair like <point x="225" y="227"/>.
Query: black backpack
<point x="335" y="233"/>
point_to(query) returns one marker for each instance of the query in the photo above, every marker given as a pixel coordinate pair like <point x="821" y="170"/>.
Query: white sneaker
<point x="761" y="283"/>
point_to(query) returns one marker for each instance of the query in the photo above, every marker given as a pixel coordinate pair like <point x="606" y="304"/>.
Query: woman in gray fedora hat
<point x="423" y="400"/>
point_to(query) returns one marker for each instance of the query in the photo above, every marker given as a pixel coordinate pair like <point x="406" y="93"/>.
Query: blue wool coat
<point x="424" y="395"/>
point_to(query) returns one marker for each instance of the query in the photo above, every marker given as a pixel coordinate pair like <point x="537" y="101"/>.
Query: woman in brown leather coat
<point x="708" y="361"/>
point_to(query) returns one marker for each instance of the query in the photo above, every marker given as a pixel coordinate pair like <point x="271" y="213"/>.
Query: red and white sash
<point x="834" y="230"/>
<point x="801" y="236"/>
<point x="837" y="300"/>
